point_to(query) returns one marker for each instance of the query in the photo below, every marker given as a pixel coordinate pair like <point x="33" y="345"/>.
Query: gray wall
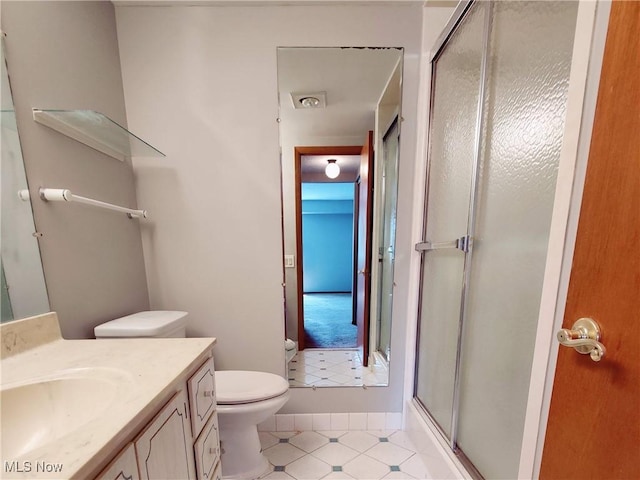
<point x="200" y="84"/>
<point x="204" y="78"/>
<point x="64" y="55"/>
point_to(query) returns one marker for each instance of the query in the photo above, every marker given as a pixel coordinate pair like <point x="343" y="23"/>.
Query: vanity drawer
<point x="202" y="396"/>
<point x="123" y="467"/>
<point x="207" y="450"/>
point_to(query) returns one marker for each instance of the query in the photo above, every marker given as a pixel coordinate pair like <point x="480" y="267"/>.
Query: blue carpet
<point x="327" y="321"/>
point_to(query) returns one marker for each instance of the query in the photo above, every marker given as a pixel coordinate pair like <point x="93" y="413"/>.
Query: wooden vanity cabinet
<point x="202" y="396"/>
<point x="207" y="451"/>
<point x="204" y="422"/>
<point x="181" y="442"/>
<point x="123" y="467"/>
<point x="165" y="449"/>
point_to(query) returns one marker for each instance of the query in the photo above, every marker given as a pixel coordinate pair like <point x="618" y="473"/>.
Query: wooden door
<point x="593" y="430"/>
<point x="363" y="253"/>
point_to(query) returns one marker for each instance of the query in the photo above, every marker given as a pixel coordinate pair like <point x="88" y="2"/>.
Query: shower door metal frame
<point x="395" y="124"/>
<point x="464" y="243"/>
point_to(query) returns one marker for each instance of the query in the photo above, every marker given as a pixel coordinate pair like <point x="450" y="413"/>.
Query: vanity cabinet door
<point x="124" y="467"/>
<point x="202" y="396"/>
<point x="207" y="449"/>
<point x="165" y="448"/>
<point x="217" y="473"/>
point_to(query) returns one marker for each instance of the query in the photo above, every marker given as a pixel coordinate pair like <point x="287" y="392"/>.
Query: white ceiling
<point x="353" y="79"/>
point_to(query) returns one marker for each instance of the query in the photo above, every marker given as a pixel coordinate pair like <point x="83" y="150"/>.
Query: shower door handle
<point x="584" y="337"/>
<point x="462" y="243"/>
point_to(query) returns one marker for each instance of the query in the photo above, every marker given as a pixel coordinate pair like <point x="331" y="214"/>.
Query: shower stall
<point x="499" y="86"/>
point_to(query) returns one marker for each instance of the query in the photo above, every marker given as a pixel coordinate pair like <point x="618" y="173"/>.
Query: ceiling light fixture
<point x="309" y="102"/>
<point x="332" y="170"/>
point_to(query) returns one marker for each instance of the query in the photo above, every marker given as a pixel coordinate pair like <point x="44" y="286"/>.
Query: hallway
<point x="327" y="321"/>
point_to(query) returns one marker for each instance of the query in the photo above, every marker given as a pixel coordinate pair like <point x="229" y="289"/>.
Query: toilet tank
<point x="152" y="324"/>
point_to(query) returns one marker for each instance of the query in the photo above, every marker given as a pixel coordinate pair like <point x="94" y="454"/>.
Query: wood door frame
<point x="354" y="278"/>
<point x="363" y="269"/>
<point x="298" y="154"/>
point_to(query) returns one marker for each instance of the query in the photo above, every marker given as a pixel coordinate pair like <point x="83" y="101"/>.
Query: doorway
<point x="333" y="242"/>
<point x="327" y="267"/>
<point x="325" y="244"/>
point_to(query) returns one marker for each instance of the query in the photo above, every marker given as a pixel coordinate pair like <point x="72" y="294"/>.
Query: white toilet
<point x="244" y="398"/>
<point x="157" y="324"/>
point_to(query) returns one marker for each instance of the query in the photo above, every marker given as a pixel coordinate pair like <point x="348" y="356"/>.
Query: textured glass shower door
<point x="453" y="137"/>
<point x="525" y="106"/>
<point x="499" y="91"/>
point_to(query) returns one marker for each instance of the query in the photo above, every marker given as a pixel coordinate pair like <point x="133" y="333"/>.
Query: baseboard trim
<point x="284" y="422"/>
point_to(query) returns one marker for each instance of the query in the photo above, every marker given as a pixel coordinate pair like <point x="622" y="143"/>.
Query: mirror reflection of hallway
<point x="336" y="102"/>
<point x="327" y="247"/>
<point x="328" y="319"/>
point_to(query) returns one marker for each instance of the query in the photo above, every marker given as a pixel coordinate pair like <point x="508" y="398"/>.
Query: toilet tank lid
<point x="242" y="386"/>
<point x="142" y="324"/>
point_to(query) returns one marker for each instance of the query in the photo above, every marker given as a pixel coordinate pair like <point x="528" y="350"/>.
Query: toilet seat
<point x="235" y="387"/>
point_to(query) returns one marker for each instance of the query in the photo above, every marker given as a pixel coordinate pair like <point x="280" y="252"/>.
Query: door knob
<point x="584" y="336"/>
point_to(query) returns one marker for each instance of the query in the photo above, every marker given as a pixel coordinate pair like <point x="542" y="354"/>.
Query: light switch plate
<point x="289" y="261"/>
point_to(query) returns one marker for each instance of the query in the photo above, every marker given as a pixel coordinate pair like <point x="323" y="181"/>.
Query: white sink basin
<point x="45" y="409"/>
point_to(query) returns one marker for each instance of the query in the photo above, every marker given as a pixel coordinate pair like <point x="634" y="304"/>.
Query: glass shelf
<point x="8" y="119"/>
<point x="96" y="131"/>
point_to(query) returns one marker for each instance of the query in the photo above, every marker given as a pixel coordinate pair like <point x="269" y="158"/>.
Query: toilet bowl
<point x="246" y="399"/>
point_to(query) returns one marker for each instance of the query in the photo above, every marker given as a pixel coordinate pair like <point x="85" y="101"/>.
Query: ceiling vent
<point x="309" y="100"/>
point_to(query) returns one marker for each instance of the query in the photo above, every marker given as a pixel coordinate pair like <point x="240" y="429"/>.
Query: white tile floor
<point x="334" y="368"/>
<point x="363" y="455"/>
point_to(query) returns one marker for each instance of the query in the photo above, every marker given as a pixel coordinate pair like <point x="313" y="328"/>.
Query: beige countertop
<point x="141" y="375"/>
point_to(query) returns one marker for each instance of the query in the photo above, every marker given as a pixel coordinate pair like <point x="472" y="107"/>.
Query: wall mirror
<point x="24" y="292"/>
<point x="339" y="137"/>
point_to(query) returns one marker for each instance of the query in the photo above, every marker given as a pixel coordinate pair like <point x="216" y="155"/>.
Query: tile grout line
<point x="395" y="467"/>
<point x="304" y="368"/>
